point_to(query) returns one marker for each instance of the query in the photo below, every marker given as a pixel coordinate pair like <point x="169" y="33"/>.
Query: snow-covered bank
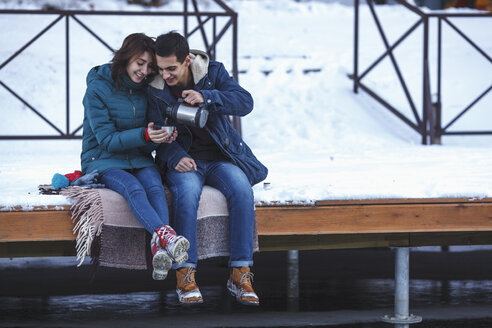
<point x="318" y="139"/>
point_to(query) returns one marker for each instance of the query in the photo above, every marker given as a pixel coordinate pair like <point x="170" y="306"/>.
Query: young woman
<point x="117" y="142"/>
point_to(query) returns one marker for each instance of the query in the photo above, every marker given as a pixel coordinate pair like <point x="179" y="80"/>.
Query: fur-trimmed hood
<point x="199" y="68"/>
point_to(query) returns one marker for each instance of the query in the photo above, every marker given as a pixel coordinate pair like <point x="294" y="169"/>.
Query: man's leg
<point x="233" y="183"/>
<point x="186" y="189"/>
<point x="235" y="186"/>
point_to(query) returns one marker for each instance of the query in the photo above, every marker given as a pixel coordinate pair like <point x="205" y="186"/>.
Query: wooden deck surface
<point x="322" y="225"/>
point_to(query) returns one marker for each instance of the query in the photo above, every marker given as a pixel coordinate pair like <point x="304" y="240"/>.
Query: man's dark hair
<point x="172" y="43"/>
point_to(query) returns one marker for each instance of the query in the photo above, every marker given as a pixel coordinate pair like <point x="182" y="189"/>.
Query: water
<point x="351" y="288"/>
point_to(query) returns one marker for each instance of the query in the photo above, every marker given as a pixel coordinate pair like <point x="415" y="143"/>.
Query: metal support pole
<point x="402" y="318"/>
<point x="293" y="274"/>
<point x="293" y="280"/>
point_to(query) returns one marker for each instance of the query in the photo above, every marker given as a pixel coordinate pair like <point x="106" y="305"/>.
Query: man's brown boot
<point x="186" y="288"/>
<point x="239" y="284"/>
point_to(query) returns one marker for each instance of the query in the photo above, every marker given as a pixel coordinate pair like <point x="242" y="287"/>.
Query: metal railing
<point x="202" y="18"/>
<point x="429" y="124"/>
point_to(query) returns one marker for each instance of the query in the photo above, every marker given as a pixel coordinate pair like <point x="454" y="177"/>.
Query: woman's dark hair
<point x="172" y="43"/>
<point x="133" y="45"/>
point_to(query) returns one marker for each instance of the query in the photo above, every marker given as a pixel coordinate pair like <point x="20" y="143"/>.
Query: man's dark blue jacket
<point x="224" y="96"/>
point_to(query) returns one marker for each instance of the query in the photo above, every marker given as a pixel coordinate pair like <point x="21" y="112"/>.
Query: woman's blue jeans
<point x="144" y="192"/>
<point x="233" y="183"/>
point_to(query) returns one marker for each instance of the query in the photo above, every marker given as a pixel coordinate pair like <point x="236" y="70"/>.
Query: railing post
<point x="185" y="18"/>
<point x="67" y="71"/>
<point x="356" y="47"/>
<point x="236" y="121"/>
<point x="426" y="83"/>
<point x="437" y="106"/>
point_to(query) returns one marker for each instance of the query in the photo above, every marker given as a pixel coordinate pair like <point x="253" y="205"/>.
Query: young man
<point x="214" y="155"/>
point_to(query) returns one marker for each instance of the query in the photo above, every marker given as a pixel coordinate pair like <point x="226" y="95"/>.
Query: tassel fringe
<point x="87" y="211"/>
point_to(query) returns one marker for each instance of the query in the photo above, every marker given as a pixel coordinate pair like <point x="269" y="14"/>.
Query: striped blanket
<point x="108" y="232"/>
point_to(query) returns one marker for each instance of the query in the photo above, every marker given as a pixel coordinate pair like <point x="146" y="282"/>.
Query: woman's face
<point x="139" y="67"/>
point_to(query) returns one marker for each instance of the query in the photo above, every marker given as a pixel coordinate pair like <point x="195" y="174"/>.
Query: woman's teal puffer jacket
<point x="114" y="124"/>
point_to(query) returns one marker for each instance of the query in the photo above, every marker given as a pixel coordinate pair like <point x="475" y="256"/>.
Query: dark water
<point x="337" y="289"/>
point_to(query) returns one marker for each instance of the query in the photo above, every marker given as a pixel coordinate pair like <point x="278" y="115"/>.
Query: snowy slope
<point x="318" y="139"/>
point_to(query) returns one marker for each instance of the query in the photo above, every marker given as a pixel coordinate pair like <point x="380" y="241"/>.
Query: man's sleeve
<point x="228" y="96"/>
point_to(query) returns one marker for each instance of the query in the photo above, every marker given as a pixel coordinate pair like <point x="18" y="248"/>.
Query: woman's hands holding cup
<point x="162" y="134"/>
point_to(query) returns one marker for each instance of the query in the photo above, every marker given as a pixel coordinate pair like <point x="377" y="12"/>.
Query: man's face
<point x="172" y="71"/>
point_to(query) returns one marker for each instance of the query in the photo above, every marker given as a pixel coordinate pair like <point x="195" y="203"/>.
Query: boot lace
<point x="167" y="235"/>
<point x="246" y="278"/>
<point x="188" y="279"/>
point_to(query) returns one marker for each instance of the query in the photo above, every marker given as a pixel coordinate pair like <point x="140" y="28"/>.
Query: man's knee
<point x="185" y="185"/>
<point x="243" y="192"/>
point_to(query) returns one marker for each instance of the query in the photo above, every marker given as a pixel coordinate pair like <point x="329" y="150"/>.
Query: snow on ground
<point x="318" y="139"/>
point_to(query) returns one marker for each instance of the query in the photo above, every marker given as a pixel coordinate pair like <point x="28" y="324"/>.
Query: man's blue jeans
<point x="144" y="192"/>
<point x="233" y="183"/>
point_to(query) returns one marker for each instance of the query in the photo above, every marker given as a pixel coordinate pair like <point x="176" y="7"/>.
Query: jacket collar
<point x="199" y="68"/>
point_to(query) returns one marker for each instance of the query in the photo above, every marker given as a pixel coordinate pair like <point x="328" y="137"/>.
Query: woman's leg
<point x="186" y="189"/>
<point x="176" y="246"/>
<point x="150" y="179"/>
<point x="132" y="190"/>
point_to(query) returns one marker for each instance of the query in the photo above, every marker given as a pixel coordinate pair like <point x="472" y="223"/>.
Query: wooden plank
<point x="280" y="243"/>
<point x="36" y="226"/>
<point x="37" y="249"/>
<point x="401" y="201"/>
<point x="336" y="241"/>
<point x="374" y="219"/>
<point x="451" y="238"/>
<point x="35" y="208"/>
<point x="346" y="225"/>
<point x="347" y="241"/>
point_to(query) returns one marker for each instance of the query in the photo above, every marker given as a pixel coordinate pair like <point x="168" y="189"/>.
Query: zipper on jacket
<point x="133" y="107"/>
<point x="134" y="122"/>
<point x="129" y="162"/>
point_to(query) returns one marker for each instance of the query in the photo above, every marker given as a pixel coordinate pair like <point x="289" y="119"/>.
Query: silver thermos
<point x="186" y="114"/>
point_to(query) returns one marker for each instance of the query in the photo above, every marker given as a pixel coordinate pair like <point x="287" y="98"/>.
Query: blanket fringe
<point x="87" y="211"/>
